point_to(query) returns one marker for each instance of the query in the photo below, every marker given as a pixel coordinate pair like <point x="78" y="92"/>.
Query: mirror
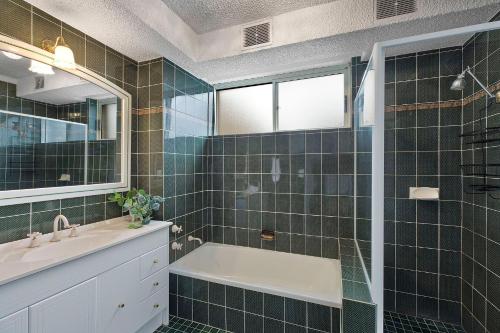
<point x="62" y="131"/>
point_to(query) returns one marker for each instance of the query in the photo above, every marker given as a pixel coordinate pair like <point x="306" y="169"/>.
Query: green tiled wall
<point x="18" y="220"/>
<point x="422" y="148"/>
<point x="171" y="114"/>
<point x="481" y="212"/>
<point x="242" y="310"/>
<point x="310" y="207"/>
<point x="22" y="21"/>
<point x="358" y="317"/>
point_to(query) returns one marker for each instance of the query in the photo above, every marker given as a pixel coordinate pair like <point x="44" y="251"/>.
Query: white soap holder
<point x="424" y="193"/>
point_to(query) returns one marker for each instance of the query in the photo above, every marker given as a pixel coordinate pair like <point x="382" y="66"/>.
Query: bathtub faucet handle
<point x="176" y="229"/>
<point x="176" y="246"/>
<point x="191" y="238"/>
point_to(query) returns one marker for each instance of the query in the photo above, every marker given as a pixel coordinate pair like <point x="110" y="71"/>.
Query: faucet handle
<point x="34" y="235"/>
<point x="73" y="232"/>
<point x="176" y="246"/>
<point x="34" y="241"/>
<point x="176" y="229"/>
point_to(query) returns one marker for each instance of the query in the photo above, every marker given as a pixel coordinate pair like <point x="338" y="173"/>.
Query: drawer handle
<point x="156" y="284"/>
<point x="156" y="306"/>
<point x="121" y="306"/>
<point x="156" y="261"/>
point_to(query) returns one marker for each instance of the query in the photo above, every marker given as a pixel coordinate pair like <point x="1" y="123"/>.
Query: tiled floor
<point x="179" y="325"/>
<point x="400" y="323"/>
<point x="393" y="322"/>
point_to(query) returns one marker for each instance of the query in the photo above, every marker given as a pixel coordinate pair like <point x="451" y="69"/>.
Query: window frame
<point x="275" y="80"/>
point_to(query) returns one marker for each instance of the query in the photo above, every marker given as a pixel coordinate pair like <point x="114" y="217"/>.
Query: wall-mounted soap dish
<point x="424" y="193"/>
<point x="267" y="235"/>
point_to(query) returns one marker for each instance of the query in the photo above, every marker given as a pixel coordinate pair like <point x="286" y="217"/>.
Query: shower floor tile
<point x="395" y="322"/>
<point x="179" y="325"/>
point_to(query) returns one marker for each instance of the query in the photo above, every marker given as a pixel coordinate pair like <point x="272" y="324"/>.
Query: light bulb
<point x="64" y="57"/>
<point x="41" y="68"/>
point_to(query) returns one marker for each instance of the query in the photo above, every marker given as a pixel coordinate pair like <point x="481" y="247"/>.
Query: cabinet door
<point x="15" y="323"/>
<point x="73" y="310"/>
<point x="117" y="298"/>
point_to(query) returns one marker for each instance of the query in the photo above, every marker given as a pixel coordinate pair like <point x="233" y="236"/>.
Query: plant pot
<point x="132" y="218"/>
<point x="135" y="223"/>
<point x="146" y="220"/>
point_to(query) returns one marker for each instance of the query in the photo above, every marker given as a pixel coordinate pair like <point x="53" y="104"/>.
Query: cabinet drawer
<point x="153" y="283"/>
<point x="152" y="306"/>
<point x="153" y="261"/>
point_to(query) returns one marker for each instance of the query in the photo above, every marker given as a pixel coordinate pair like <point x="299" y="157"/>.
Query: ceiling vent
<point x="390" y="8"/>
<point x="256" y="34"/>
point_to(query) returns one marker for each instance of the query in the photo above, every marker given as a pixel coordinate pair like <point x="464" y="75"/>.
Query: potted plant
<point x="139" y="204"/>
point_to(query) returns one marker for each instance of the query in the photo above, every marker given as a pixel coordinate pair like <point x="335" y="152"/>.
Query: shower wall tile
<point x="423" y="148"/>
<point x="480" y="230"/>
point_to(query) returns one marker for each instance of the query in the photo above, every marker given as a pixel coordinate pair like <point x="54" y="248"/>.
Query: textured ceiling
<point x="145" y="30"/>
<point x="340" y="49"/>
<point x="204" y="16"/>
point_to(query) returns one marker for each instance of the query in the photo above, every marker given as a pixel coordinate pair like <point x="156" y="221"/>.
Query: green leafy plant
<point x="139" y="204"/>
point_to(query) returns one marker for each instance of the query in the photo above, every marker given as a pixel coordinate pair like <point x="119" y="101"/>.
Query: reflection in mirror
<point x="106" y="119"/>
<point x="56" y="129"/>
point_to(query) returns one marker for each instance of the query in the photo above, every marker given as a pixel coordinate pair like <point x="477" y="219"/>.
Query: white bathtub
<point x="306" y="278"/>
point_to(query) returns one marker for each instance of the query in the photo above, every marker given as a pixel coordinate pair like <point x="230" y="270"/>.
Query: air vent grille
<point x="257" y="35"/>
<point x="390" y="8"/>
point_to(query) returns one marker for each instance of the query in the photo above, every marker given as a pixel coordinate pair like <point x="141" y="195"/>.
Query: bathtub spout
<point x="191" y="238"/>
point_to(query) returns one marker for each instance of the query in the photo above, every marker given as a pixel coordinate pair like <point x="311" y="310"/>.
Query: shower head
<point x="459" y="83"/>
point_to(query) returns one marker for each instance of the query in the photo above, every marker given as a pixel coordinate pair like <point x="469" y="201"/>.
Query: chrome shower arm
<point x="479" y="82"/>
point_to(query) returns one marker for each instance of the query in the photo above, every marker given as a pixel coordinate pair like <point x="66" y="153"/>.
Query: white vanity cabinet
<point x="122" y="288"/>
<point x="146" y="293"/>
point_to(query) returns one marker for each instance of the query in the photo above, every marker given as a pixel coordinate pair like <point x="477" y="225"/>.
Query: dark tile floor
<point x="179" y="325"/>
<point x="400" y="323"/>
<point x="393" y="323"/>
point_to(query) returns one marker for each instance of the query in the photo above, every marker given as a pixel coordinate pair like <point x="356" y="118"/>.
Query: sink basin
<point x="68" y="246"/>
<point x="17" y="260"/>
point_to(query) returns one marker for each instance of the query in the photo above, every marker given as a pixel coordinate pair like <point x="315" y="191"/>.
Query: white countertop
<point x="18" y="261"/>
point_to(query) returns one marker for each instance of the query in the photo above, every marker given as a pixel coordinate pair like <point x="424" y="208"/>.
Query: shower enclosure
<point x="399" y="148"/>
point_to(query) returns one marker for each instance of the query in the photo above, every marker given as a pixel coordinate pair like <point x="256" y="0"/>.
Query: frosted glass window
<point x="311" y="103"/>
<point x="245" y="110"/>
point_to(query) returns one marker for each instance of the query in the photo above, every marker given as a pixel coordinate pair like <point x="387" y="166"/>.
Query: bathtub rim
<point x="259" y="287"/>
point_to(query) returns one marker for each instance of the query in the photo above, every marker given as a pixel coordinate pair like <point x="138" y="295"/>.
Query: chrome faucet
<point x="55" y="234"/>
<point x="194" y="239"/>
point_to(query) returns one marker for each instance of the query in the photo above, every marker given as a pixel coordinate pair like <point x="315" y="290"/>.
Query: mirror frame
<point x="11" y="197"/>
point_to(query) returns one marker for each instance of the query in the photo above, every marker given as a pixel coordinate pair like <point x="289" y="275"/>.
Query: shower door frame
<point x="377" y="60"/>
